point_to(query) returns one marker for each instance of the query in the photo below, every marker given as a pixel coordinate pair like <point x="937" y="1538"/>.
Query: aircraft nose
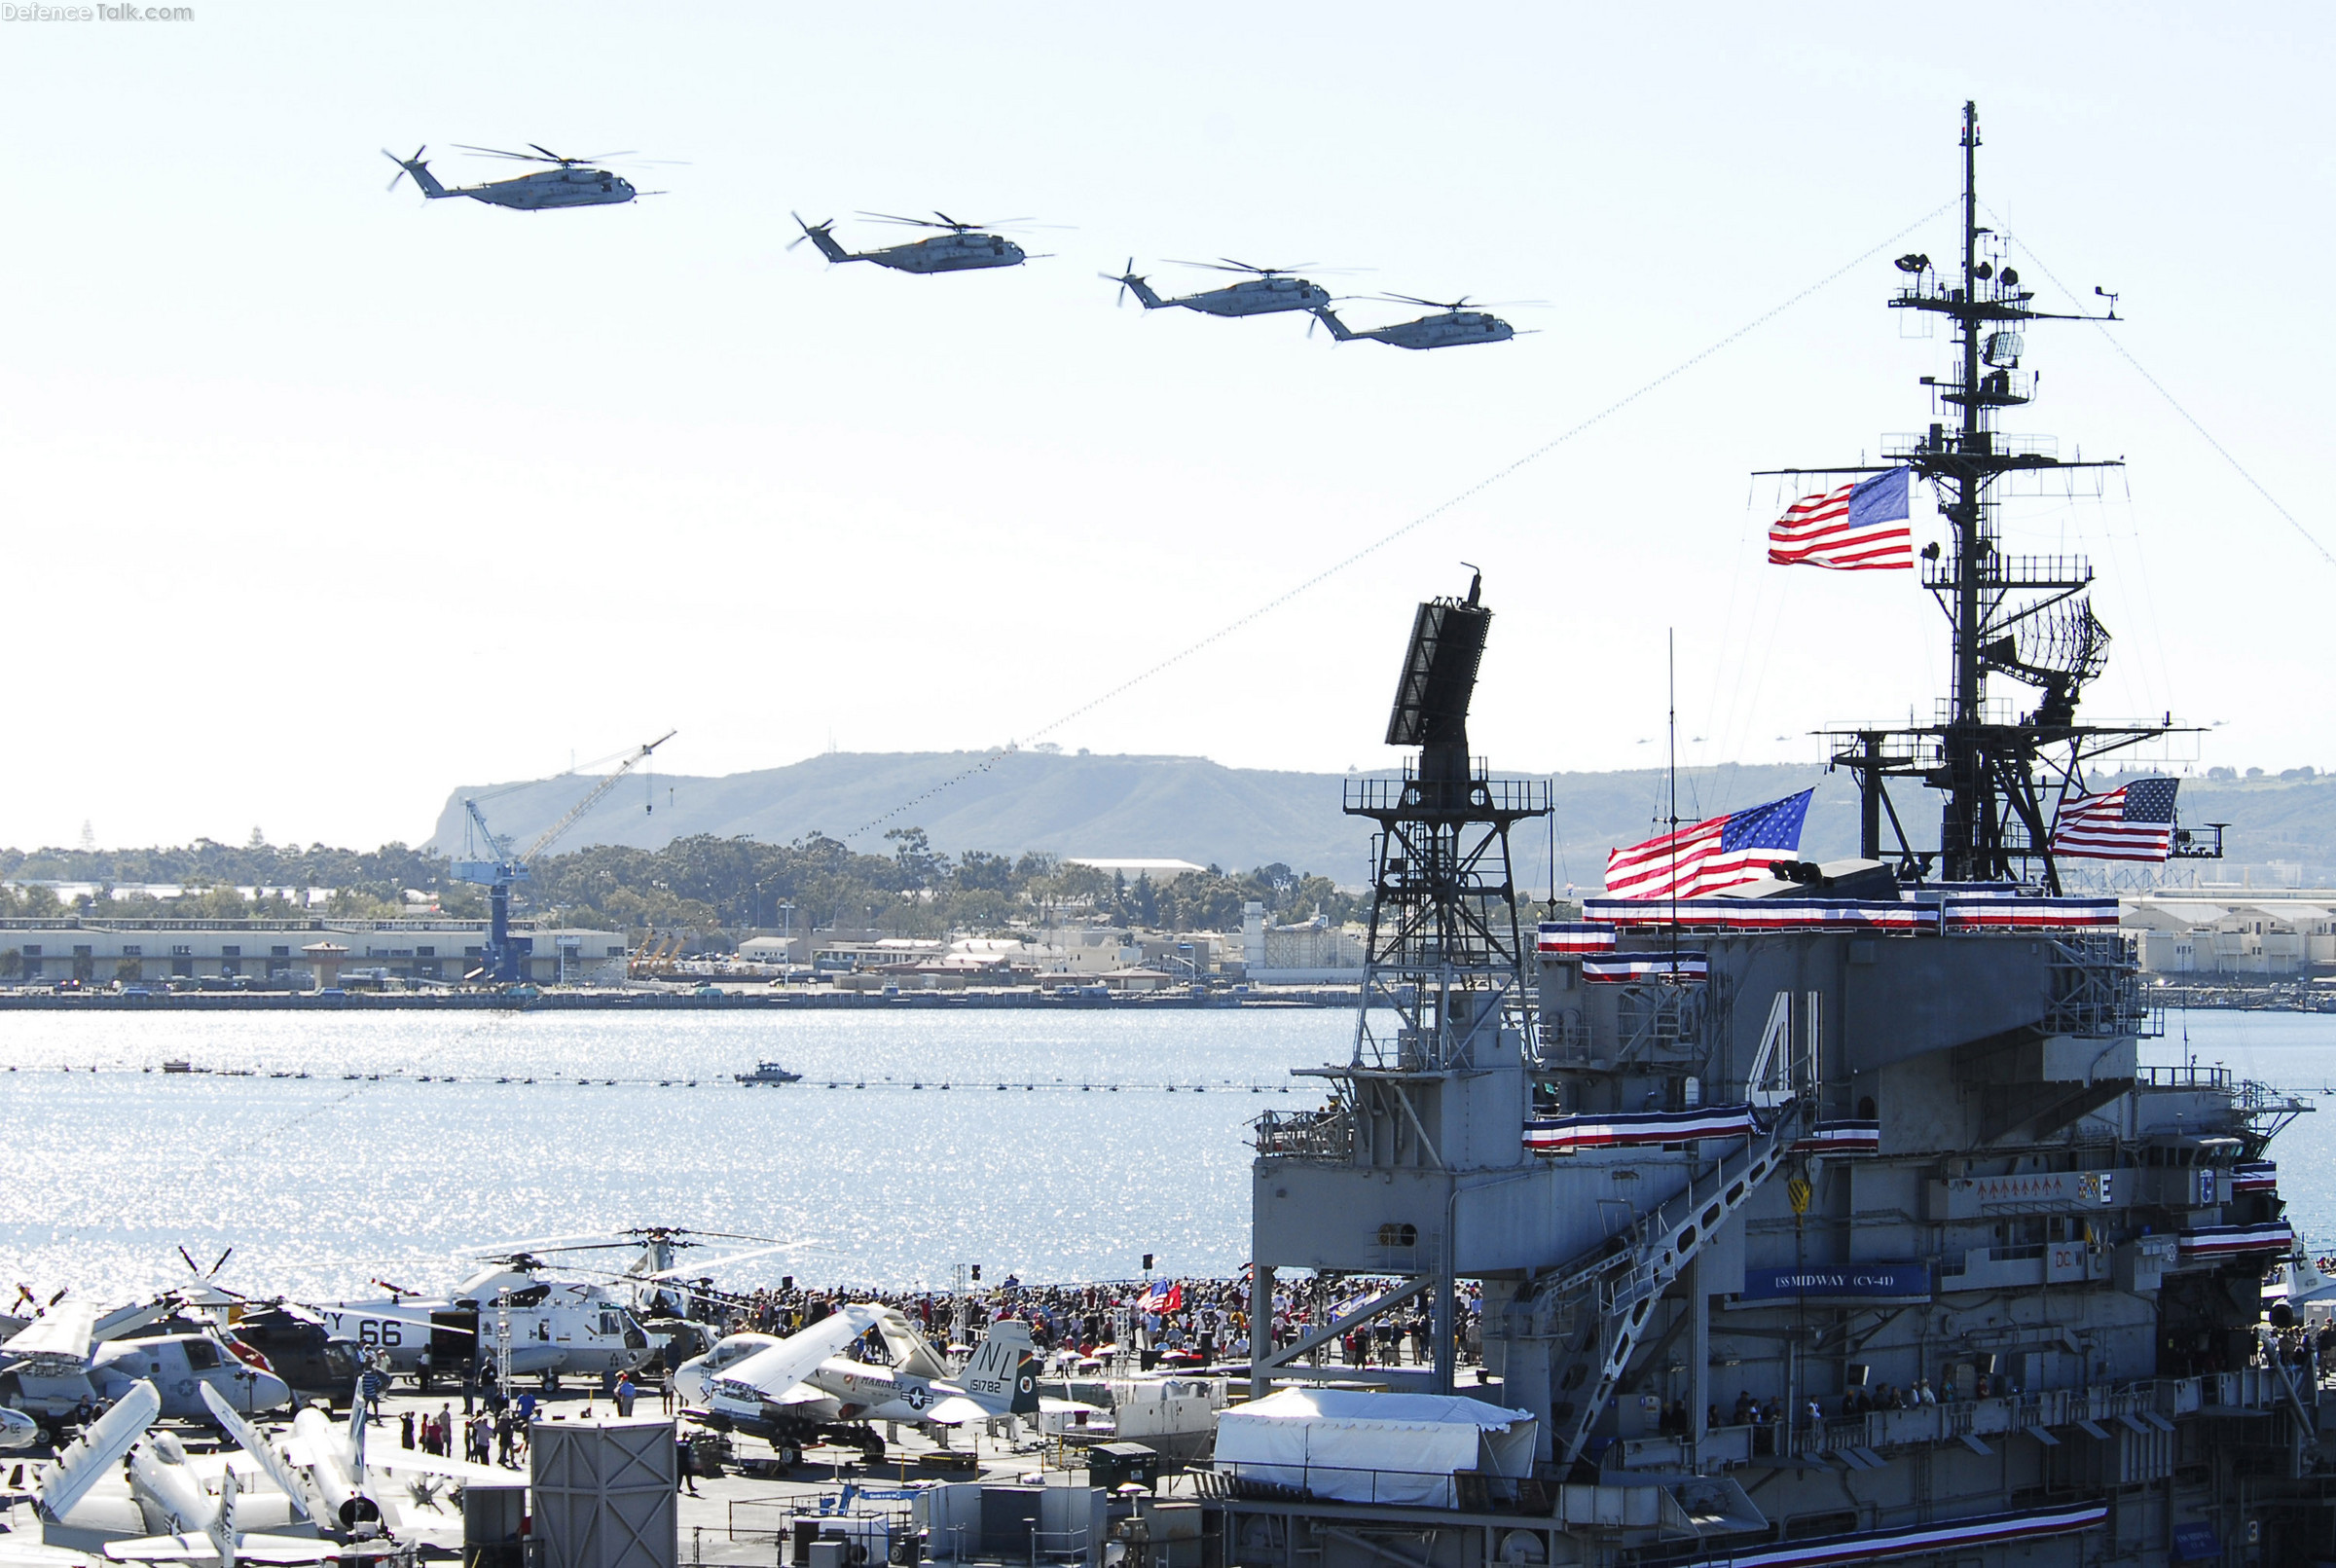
<point x="268" y="1390"/>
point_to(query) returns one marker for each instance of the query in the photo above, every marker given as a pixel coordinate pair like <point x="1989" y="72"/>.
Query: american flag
<point x="1711" y="855"/>
<point x="1860" y="526"/>
<point x="2134" y="821"/>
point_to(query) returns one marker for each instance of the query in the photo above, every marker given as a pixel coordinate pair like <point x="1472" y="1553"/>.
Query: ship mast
<point x="2026" y="617"/>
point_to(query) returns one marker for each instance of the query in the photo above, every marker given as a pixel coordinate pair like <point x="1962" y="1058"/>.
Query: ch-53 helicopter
<point x="569" y="182"/>
<point x="1266" y="291"/>
<point x="959" y="248"/>
<point x="1453" y="324"/>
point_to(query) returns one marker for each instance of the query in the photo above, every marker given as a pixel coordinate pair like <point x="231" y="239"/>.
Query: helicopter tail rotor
<point x="1143" y="289"/>
<point x="423" y="179"/>
<point x="822" y="234"/>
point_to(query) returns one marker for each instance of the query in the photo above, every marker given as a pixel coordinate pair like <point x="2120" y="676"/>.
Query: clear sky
<point x="319" y="501"/>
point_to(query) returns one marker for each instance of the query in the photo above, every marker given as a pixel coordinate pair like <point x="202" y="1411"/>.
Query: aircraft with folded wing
<point x="71" y="1357"/>
<point x="167" y="1496"/>
<point x="803" y="1387"/>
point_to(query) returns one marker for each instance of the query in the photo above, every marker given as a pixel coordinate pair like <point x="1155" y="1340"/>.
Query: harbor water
<point x="1116" y="1135"/>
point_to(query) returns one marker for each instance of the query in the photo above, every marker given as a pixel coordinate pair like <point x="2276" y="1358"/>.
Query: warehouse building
<point x="286" y="953"/>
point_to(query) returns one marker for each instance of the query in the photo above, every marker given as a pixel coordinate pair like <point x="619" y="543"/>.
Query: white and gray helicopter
<point x="550" y="1326"/>
<point x="70" y="1359"/>
<point x="804" y="1387"/>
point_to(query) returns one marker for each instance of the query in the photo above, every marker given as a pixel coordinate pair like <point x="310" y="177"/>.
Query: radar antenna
<point x="1445" y="953"/>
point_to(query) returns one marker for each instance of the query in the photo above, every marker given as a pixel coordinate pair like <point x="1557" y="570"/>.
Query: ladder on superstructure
<point x="1616" y="1291"/>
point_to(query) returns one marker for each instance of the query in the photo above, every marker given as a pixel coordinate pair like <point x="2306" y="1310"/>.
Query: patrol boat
<point x="1832" y="1219"/>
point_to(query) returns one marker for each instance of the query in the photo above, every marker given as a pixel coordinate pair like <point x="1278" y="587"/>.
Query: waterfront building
<point x="2237" y="934"/>
<point x="156" y="952"/>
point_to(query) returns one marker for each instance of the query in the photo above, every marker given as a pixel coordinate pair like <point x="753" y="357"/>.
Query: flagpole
<point x="1670" y="643"/>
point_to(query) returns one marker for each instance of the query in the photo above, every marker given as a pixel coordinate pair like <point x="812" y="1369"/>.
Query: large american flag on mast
<point x="1716" y="854"/>
<point x="1859" y="526"/>
<point x="2134" y="821"/>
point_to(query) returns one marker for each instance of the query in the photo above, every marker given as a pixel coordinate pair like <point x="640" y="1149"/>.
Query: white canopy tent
<point x="1364" y="1447"/>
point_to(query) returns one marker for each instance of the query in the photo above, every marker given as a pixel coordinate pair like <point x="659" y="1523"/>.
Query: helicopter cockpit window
<point x="201" y="1355"/>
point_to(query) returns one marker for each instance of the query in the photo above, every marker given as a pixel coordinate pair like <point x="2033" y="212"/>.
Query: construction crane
<point x="507" y="958"/>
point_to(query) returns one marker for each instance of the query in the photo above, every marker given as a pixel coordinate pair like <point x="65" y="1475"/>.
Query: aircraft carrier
<point x="1832" y="1219"/>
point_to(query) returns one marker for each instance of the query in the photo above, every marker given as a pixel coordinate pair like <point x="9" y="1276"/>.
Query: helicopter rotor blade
<point x="222" y="1263"/>
<point x="497" y="152"/>
<point x="1463" y="303"/>
<point x="193" y="1267"/>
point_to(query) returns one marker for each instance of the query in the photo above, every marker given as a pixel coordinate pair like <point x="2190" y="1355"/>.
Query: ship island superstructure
<point x="1832" y="1218"/>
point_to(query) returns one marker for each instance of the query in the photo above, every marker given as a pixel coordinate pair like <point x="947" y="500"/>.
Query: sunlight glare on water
<point x="322" y="1184"/>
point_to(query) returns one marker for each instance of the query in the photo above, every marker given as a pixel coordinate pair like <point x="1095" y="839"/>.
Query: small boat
<point x="178" y="1067"/>
<point x="768" y="1073"/>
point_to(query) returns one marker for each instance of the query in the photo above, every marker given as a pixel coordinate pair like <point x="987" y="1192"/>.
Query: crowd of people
<point x="1166" y="1322"/>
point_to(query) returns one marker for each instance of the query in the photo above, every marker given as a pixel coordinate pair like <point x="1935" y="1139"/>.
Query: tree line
<point x="702" y="883"/>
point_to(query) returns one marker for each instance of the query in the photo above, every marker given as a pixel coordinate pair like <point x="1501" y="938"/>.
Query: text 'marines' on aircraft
<point x="568" y="182"/>
<point x="1454" y="322"/>
<point x="1265" y="291"/>
<point x="959" y="248"/>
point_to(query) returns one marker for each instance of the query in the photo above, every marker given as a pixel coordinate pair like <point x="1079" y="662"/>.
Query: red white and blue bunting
<point x="1925" y="1540"/>
<point x="1769" y="914"/>
<point x="1926" y="913"/>
<point x="1637" y="1129"/>
<point x="2008" y="912"/>
<point x="1574" y="936"/>
<point x="2255" y="1176"/>
<point x="1615" y="968"/>
<point x="1841" y="1138"/>
<point x="2229" y="1241"/>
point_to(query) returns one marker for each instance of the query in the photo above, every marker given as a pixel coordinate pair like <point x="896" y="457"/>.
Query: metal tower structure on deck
<point x="2028" y="618"/>
<point x="1447" y="951"/>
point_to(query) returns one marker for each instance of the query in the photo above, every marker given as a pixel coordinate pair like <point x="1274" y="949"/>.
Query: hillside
<point x="1192" y="809"/>
<point x="1183" y="808"/>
